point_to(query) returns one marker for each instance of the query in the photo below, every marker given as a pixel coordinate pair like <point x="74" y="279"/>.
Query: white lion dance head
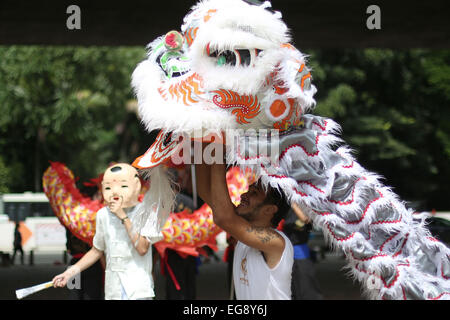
<point x="232" y="67"/>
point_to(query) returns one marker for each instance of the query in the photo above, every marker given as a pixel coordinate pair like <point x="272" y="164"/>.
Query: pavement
<point x="211" y="279"/>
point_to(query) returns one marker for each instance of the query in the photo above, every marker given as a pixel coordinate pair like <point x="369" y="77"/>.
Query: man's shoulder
<point x="288" y="247"/>
<point x="266" y="233"/>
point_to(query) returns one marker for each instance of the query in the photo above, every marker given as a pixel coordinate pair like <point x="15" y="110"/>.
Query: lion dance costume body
<point x="232" y="67"/>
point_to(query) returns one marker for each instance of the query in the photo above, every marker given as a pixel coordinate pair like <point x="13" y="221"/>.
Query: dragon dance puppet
<point x="232" y="67"/>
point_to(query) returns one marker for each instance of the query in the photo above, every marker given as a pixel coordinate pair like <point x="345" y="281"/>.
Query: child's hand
<point x="61" y="280"/>
<point x="115" y="206"/>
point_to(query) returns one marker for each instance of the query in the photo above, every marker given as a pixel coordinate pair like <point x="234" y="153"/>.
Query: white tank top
<point x="254" y="280"/>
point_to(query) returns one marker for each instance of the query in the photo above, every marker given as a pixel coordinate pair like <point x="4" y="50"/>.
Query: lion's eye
<point x="245" y="58"/>
<point x="236" y="57"/>
<point x="225" y="57"/>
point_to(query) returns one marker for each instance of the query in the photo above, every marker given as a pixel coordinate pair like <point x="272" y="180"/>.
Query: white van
<point x="40" y="228"/>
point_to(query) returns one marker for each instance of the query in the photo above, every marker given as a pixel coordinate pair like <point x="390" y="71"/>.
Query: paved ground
<point x="211" y="281"/>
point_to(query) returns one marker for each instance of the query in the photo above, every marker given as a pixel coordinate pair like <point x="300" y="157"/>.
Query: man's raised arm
<point x="262" y="238"/>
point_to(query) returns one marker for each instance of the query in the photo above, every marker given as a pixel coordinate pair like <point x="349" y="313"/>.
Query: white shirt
<point x="125" y="268"/>
<point x="254" y="280"/>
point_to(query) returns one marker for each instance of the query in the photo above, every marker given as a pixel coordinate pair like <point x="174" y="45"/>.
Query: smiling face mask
<point x="121" y="183"/>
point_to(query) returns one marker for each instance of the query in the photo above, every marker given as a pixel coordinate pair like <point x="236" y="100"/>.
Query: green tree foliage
<point x="66" y="104"/>
<point x="4" y="177"/>
<point x="393" y="107"/>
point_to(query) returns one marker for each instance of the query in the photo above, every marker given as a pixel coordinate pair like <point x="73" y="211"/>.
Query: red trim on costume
<point x="368" y="258"/>
<point x="387" y="221"/>
<point x="439" y="296"/>
<point x="321" y="127"/>
<point x="403" y="245"/>
<point x="387" y="240"/>
<point x="304" y="149"/>
<point x="382" y="279"/>
<point x="442" y="272"/>
<point x="349" y="166"/>
<point x="365" y="210"/>
<point x="300" y="193"/>
<point x="337" y="238"/>
<point x="311" y="185"/>
<point x="323" y="213"/>
<point x="353" y="195"/>
<point x="403" y="292"/>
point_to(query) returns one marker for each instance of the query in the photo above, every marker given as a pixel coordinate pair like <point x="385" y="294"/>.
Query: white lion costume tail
<point x="232" y="67"/>
<point x="387" y="246"/>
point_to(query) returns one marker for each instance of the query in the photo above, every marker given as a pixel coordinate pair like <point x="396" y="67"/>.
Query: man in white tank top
<point x="264" y="256"/>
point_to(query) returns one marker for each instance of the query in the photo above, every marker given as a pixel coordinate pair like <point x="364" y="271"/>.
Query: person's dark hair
<point x="276" y="197"/>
